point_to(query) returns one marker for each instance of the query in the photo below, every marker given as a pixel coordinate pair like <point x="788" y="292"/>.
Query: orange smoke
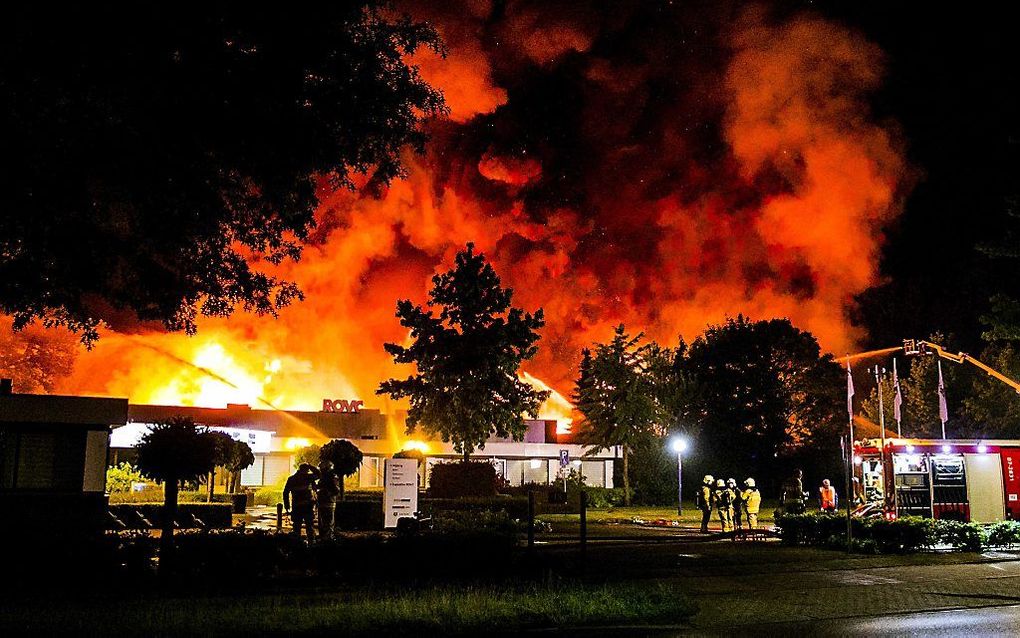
<point x="758" y="186"/>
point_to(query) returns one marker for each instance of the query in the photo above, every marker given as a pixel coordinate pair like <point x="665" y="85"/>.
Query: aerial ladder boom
<point x="912" y="346"/>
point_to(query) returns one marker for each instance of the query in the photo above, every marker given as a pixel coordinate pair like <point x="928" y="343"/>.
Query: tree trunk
<point x="467" y="454"/>
<point x="341" y="494"/>
<point x="212" y="484"/>
<point x="171" y="489"/>
<point x="626" y="476"/>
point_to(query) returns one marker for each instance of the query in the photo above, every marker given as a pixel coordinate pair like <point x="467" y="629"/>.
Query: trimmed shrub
<point x="453" y="480"/>
<point x="966" y="536"/>
<point x="1004" y="534"/>
<point x="903" y="535"/>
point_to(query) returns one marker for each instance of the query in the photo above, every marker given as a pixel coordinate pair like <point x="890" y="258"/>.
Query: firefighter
<point x="738" y="503"/>
<point x="705" y="500"/>
<point x="792" y="498"/>
<point x="752" y="502"/>
<point x="301" y="485"/>
<point x="724" y="504"/>
<point x="827" y="496"/>
<point x="328" y="490"/>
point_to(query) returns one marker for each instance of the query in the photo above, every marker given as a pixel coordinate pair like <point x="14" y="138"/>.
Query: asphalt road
<point x="982" y="621"/>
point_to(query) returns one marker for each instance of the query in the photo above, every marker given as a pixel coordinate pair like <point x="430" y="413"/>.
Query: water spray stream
<point x="218" y="377"/>
<point x="871" y="353"/>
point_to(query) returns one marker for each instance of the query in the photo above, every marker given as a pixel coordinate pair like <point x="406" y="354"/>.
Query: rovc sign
<point x="342" y="405"/>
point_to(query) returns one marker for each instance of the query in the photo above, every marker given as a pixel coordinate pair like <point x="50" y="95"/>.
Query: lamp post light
<point x="679" y="445"/>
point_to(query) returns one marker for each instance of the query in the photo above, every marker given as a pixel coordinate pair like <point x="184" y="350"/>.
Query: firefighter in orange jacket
<point x="827" y="496"/>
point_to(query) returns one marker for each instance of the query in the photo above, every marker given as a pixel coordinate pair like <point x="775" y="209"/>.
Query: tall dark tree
<point x="345" y="457"/>
<point x="765" y="390"/>
<point x="466" y="386"/>
<point x="169" y="453"/>
<point x="161" y="151"/>
<point x="617" y="398"/>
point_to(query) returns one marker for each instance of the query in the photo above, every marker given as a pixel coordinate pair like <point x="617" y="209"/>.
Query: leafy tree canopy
<point x="36" y="359"/>
<point x="162" y="150"/>
<point x="176" y="450"/>
<point x="466" y="386"/>
<point x="764" y="389"/>
<point x="344" y="455"/>
<point x="620" y="392"/>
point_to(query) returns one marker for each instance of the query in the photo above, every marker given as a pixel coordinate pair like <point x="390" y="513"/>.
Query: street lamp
<point x="679" y="445"/>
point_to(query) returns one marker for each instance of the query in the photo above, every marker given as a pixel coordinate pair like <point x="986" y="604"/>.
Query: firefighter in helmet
<point x="705" y="500"/>
<point x="752" y="502"/>
<point x="738" y="503"/>
<point x="724" y="497"/>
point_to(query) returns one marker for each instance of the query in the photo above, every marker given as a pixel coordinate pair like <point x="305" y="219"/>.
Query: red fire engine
<point x="965" y="480"/>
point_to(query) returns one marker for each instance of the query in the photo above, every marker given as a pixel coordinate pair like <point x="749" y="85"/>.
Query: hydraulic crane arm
<point x="911" y="346"/>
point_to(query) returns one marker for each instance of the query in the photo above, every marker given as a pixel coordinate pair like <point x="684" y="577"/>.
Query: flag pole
<point x="897" y="401"/>
<point x="849" y="456"/>
<point x="943" y="407"/>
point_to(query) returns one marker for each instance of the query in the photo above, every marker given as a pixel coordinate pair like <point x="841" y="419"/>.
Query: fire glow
<point x="664" y="232"/>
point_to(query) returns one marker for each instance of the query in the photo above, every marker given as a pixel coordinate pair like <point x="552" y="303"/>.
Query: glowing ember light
<point x="858" y="460"/>
<point x="296" y="443"/>
<point x="417" y="446"/>
<point x="946" y="449"/>
<point x="910" y="449"/>
<point x="982" y="448"/>
<point x="555" y="407"/>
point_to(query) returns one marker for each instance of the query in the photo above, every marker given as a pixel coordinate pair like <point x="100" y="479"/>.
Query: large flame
<point x="663" y="191"/>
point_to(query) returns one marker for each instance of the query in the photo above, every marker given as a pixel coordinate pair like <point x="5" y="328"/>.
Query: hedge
<point x="214" y="515"/>
<point x="903" y="535"/>
<point x="457" y="479"/>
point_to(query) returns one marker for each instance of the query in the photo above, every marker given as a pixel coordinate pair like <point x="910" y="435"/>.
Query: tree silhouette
<point x="617" y="398"/>
<point x="466" y="386"/>
<point x="170" y="452"/>
<point x="163" y="152"/>
<point x="345" y="457"/>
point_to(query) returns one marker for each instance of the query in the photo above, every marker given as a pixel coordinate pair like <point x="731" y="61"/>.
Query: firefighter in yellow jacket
<point x="724" y="498"/>
<point x="705" y="500"/>
<point x="752" y="503"/>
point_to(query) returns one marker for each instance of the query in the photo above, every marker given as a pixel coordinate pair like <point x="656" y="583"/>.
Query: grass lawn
<point x="691" y="516"/>
<point x="441" y="610"/>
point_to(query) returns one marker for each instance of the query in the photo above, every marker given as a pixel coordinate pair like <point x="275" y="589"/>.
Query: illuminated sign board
<point x="352" y="406"/>
<point x="400" y="493"/>
<point x="128" y="436"/>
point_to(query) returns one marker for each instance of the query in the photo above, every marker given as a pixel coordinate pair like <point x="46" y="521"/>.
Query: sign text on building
<point x="342" y="405"/>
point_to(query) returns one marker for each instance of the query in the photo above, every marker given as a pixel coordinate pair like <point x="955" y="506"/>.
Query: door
<point x="984" y="487"/>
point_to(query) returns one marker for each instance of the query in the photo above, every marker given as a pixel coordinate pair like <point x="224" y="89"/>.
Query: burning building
<point x="277" y="436"/>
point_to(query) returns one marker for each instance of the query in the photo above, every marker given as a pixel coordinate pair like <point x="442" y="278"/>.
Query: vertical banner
<point x="400" y="495"/>
<point x="1011" y="481"/>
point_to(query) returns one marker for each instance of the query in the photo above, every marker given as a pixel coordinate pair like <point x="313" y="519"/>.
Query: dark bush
<point x="453" y="480"/>
<point x="514" y="506"/>
<point x="360" y="514"/>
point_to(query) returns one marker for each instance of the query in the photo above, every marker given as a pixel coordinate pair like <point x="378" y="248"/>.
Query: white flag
<point x="849" y="390"/>
<point x="898" y="399"/>
<point x="943" y="408"/>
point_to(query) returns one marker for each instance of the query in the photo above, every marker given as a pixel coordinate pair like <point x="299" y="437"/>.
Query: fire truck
<point x="957" y="479"/>
<point x="960" y="479"/>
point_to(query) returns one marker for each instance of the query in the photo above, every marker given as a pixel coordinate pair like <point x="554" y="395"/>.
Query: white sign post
<point x="400" y="497"/>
